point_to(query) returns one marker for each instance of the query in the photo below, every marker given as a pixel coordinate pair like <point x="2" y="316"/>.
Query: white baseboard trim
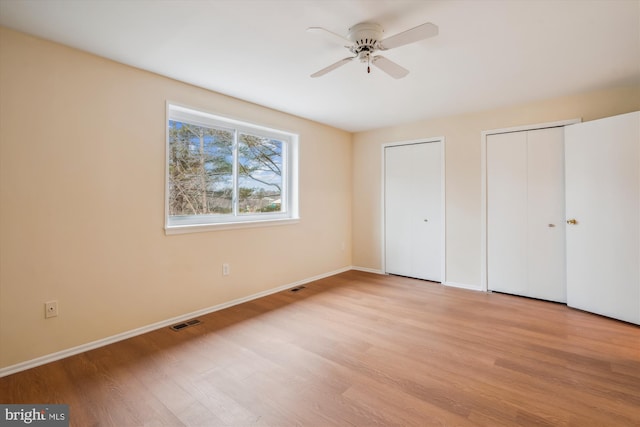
<point x="445" y="283"/>
<point x="463" y="286"/>
<point x="23" y="366"/>
<point x="367" y="270"/>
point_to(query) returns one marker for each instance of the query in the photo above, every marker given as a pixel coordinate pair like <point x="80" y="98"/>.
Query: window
<point x="223" y="173"/>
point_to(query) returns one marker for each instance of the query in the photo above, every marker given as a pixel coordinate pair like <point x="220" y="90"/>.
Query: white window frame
<point x="289" y="196"/>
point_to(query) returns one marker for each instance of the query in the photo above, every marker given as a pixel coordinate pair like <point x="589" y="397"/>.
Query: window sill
<point x="201" y="228"/>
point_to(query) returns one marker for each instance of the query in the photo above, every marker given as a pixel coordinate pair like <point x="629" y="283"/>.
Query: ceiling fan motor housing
<point x="365" y="37"/>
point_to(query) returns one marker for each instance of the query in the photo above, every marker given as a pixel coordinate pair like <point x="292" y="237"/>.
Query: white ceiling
<point x="488" y="54"/>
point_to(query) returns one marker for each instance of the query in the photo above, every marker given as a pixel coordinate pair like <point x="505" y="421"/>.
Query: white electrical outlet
<point x="226" y="270"/>
<point x="50" y="309"/>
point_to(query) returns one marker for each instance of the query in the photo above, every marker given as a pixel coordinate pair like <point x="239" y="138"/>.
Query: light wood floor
<point x="358" y="349"/>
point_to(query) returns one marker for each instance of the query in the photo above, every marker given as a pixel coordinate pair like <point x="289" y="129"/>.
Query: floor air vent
<point x="180" y="326"/>
<point x="296" y="289"/>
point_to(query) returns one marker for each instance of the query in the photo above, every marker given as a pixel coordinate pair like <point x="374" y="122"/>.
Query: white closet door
<point x="413" y="210"/>
<point x="546" y="276"/>
<point x="525" y="214"/>
<point x="603" y="196"/>
<point x="507" y="212"/>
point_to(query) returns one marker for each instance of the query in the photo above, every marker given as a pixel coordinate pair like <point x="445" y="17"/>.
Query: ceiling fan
<point x="365" y="39"/>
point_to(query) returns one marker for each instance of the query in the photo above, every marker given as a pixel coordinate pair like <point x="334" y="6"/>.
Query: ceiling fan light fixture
<point x="366" y="39"/>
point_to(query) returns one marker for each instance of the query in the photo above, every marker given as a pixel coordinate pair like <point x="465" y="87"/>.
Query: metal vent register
<point x="180" y="326"/>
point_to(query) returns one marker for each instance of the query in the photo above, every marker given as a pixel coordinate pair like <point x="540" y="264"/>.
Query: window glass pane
<point x="200" y="170"/>
<point x="223" y="173"/>
<point x="260" y="176"/>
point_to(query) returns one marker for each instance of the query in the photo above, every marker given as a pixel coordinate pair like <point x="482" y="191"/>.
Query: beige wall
<point x="82" y="161"/>
<point x="463" y="170"/>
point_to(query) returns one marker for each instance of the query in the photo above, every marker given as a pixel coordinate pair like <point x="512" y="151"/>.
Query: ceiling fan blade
<point x="415" y="34"/>
<point x="331" y="67"/>
<point x="331" y="36"/>
<point x="389" y="67"/>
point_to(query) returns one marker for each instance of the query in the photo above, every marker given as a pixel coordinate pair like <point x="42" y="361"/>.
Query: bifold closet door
<point x="413" y="210"/>
<point x="507" y="213"/>
<point x="546" y="239"/>
<point x="603" y="206"/>
<point x="525" y="214"/>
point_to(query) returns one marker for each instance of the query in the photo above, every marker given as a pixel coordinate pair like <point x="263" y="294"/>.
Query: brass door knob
<point x="572" y="221"/>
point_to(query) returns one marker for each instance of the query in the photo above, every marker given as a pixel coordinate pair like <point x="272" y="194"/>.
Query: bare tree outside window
<point x="201" y="165"/>
<point x="200" y="170"/>
<point x="259" y="174"/>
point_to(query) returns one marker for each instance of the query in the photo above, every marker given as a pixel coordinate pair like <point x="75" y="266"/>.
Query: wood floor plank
<point x="357" y="349"/>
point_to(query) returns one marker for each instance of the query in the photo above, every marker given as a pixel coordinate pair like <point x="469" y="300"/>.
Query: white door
<point x="413" y="210"/>
<point x="546" y="246"/>
<point x="603" y="197"/>
<point x="525" y="213"/>
<point x="507" y="213"/>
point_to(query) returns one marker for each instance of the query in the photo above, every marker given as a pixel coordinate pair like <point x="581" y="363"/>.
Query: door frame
<point x="443" y="245"/>
<point x="483" y="184"/>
